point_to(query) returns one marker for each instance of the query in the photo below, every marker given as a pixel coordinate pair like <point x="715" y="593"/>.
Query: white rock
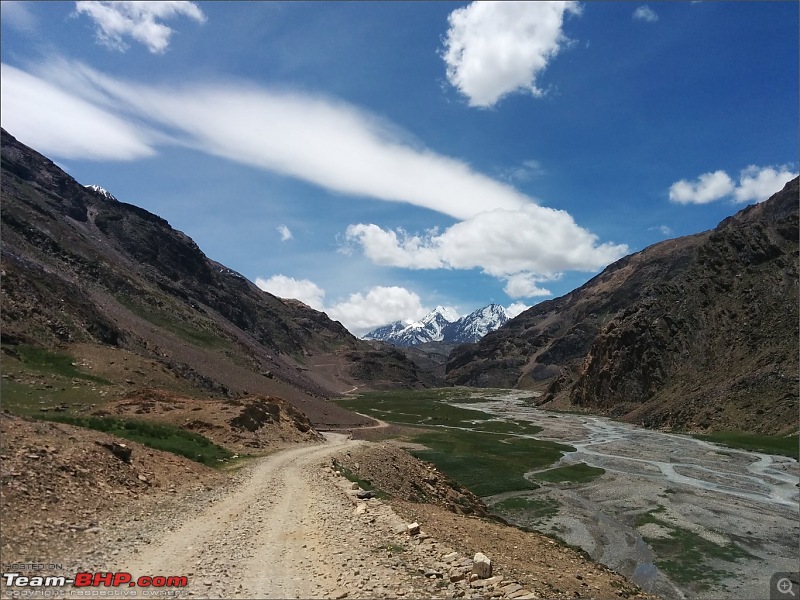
<point x="482" y="566"/>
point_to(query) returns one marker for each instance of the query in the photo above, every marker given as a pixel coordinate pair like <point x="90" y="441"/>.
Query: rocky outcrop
<point x="698" y="332"/>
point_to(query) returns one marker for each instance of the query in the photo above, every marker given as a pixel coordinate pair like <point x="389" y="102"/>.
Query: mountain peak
<point x="442" y="325"/>
<point x="102" y="191"/>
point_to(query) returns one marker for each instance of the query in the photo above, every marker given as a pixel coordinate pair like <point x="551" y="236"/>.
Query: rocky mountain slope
<point x="698" y="332"/>
<point x="442" y="325"/>
<point x="83" y="271"/>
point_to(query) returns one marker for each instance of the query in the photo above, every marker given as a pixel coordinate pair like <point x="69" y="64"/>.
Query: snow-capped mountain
<point x="442" y="325"/>
<point x="477" y="324"/>
<point x="102" y="191"/>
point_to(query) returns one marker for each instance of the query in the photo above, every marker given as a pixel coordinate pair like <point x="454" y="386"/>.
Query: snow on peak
<point x="102" y="191"/>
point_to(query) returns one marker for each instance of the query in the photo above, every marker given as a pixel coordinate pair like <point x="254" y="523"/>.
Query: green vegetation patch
<point x="485" y="454"/>
<point x="193" y="333"/>
<point x="487" y="463"/>
<point x="364" y="484"/>
<point x="158" y="436"/>
<point x="788" y="445"/>
<point x="527" y="508"/>
<point x="52" y="362"/>
<point x="686" y="556"/>
<point x="578" y="473"/>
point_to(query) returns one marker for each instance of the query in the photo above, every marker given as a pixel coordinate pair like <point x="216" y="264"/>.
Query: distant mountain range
<point x="442" y="325"/>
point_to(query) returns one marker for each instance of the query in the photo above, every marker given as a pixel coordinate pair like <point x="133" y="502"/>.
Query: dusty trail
<point x="256" y="541"/>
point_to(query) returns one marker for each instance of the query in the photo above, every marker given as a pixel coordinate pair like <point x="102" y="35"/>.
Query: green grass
<point x="364" y="484"/>
<point x="686" y="556"/>
<point x="529" y="509"/>
<point x="486" y="455"/>
<point x="577" y="473"/>
<point x="50" y="362"/>
<point x="768" y="444"/>
<point x="191" y="332"/>
<point x="487" y="463"/>
<point x="158" y="436"/>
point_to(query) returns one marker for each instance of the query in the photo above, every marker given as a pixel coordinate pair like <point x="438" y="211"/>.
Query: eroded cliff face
<point x="697" y="332"/>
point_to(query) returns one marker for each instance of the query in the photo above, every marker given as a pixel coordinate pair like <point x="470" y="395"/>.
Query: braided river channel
<point x="682" y="517"/>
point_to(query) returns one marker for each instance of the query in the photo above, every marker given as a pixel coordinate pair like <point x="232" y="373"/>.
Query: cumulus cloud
<point x="759" y="183"/>
<point x="286" y="233"/>
<point x="524" y="285"/>
<point x="495" y="48"/>
<point x="534" y="239"/>
<point x="645" y="13"/>
<point x="361" y="313"/>
<point x="755" y="184"/>
<point x="321" y="140"/>
<point x="58" y="123"/>
<point x="516" y="308"/>
<point x="140" y="21"/>
<point x="299" y="289"/>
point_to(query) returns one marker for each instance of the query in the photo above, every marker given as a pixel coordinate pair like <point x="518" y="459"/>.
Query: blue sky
<point x="378" y="159"/>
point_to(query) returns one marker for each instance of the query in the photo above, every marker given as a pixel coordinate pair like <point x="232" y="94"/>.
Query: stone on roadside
<point x="412" y="528"/>
<point x="482" y="565"/>
<point x="354" y="486"/>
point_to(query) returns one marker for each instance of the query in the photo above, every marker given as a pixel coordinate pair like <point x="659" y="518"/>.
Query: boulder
<point x="482" y="566"/>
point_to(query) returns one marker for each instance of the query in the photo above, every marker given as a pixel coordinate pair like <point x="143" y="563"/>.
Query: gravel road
<point x="293" y="528"/>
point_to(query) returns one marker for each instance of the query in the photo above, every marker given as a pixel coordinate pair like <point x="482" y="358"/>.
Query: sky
<point x="377" y="159"/>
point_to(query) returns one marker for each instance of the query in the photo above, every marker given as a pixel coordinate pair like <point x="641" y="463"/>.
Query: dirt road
<point x="292" y="529"/>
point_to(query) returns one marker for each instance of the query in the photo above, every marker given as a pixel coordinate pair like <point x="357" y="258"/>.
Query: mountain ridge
<point x="80" y="269"/>
<point x="697" y="332"/>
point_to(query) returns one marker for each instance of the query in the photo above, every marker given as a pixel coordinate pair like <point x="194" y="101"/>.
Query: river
<point x="717" y="521"/>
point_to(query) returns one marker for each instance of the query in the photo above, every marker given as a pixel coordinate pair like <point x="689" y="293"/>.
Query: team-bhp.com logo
<point x="84" y="580"/>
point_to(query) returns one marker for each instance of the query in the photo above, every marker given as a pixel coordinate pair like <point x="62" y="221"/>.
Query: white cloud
<point x="708" y="188"/>
<point x="139" y="20"/>
<point x="316" y="139"/>
<point x="755" y="184"/>
<point x="759" y="183"/>
<point x="286" y="233"/>
<point x="495" y="48"/>
<point x="500" y="242"/>
<point x="60" y="124"/>
<point x="327" y="142"/>
<point x="516" y="308"/>
<point x="298" y="289"/>
<point x="645" y="13"/>
<point x="662" y="229"/>
<point x="361" y="313"/>
<point x="523" y="285"/>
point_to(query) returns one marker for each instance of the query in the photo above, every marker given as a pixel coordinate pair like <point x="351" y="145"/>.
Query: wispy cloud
<point x="70" y="110"/>
<point x="317" y="139"/>
<point x="286" y="233"/>
<point x="18" y="15"/>
<point x="140" y="21"/>
<point x="495" y="48"/>
<point x="645" y="13"/>
<point x="756" y="184"/>
<point x="62" y="124"/>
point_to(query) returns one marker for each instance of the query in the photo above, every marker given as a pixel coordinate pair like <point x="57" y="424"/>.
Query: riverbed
<point x="682" y="517"/>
